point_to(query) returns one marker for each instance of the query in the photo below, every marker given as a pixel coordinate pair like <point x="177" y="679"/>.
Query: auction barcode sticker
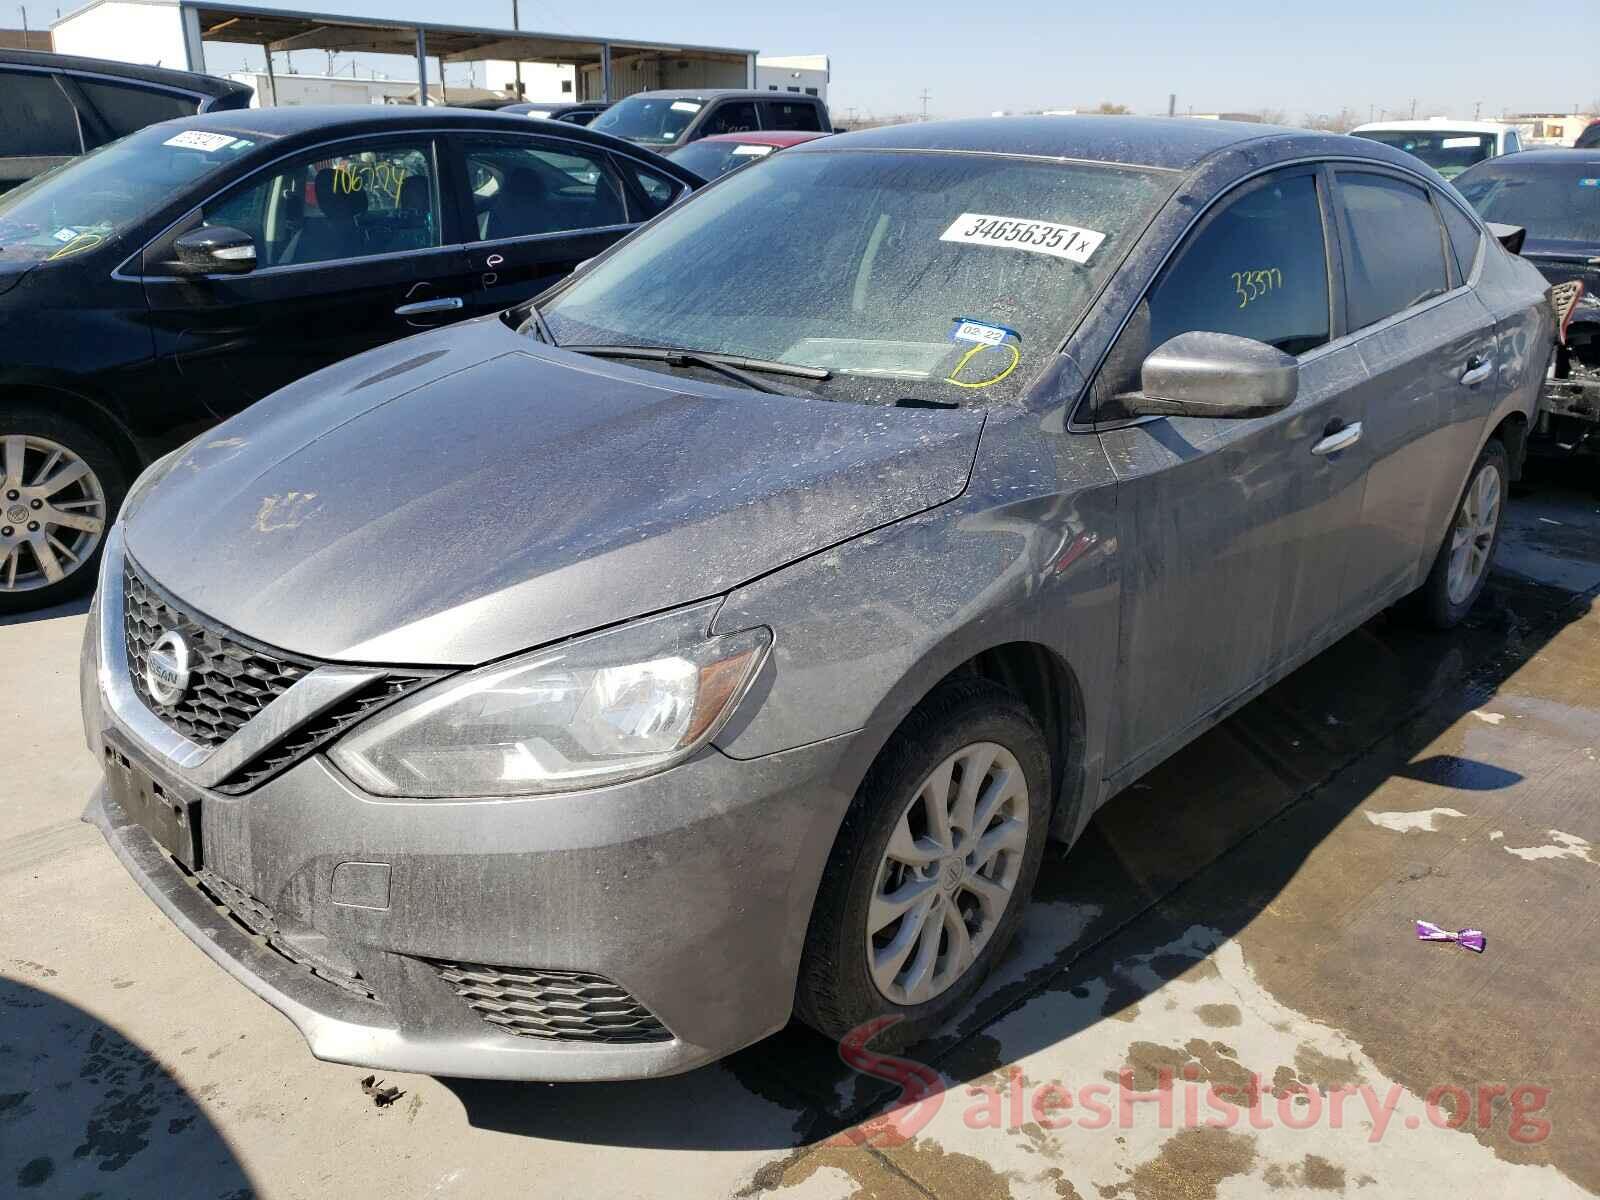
<point x="199" y="139"/>
<point x="1019" y="233"/>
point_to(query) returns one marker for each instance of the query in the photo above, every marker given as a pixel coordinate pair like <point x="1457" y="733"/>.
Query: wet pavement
<point x="1218" y="992"/>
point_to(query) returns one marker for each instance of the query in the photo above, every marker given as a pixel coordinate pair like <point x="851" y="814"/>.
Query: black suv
<point x="167" y="280"/>
<point x="662" y="120"/>
<point x="54" y="106"/>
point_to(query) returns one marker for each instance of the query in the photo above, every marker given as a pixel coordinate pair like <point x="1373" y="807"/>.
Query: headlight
<point x="611" y="706"/>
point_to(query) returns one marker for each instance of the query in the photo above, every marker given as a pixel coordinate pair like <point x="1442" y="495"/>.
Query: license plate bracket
<point x="172" y="820"/>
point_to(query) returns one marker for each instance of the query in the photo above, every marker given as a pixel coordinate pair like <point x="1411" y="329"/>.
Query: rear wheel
<point x="1462" y="566"/>
<point x="932" y="867"/>
<point x="60" y="487"/>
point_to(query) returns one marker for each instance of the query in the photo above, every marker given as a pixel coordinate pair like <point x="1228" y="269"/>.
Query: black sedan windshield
<point x="1553" y="201"/>
<point x="92" y="199"/>
<point x="938" y="277"/>
<point x="709" y="158"/>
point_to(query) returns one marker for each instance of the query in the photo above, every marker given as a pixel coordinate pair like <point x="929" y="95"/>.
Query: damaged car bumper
<point x="627" y="931"/>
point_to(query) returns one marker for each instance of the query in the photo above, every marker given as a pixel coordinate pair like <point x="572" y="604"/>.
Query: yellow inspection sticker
<point x="1019" y="233"/>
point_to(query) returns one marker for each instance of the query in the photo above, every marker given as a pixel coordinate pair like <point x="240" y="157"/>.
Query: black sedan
<point x="1555" y="196"/>
<point x="169" y="279"/>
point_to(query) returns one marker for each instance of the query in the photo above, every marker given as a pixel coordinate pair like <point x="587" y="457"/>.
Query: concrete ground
<point x="1217" y="993"/>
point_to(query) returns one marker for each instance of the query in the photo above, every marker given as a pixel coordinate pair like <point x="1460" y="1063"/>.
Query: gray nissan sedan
<point x="582" y="692"/>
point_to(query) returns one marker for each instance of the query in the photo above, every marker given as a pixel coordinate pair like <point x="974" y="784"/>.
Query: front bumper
<point x="690" y="891"/>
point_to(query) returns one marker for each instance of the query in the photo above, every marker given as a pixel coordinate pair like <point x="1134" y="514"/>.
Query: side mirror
<point x="215" y="250"/>
<point x="1509" y="236"/>
<point x="1214" y="375"/>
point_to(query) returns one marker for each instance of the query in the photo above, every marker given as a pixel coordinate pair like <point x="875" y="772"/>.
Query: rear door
<point x="351" y="252"/>
<point x="1427" y="348"/>
<point x="1235" y="533"/>
<point x="536" y="207"/>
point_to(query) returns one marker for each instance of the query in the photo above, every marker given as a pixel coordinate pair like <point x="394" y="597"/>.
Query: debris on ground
<point x="1472" y="939"/>
<point x="382" y="1096"/>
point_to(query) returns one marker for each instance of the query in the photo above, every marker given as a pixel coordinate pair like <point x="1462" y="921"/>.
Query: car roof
<point x="1562" y="155"/>
<point x="1173" y="143"/>
<point x="1434" y="123"/>
<point x="770" y="137"/>
<point x="714" y="94"/>
<point x="208" y="85"/>
<point x="338" y="119"/>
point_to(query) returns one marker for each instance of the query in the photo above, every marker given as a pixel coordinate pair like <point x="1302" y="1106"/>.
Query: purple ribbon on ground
<point x="1472" y="939"/>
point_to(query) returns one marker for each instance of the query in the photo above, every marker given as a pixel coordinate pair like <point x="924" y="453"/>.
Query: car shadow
<point x="1254" y="786"/>
<point x="86" y="1111"/>
<point x="72" y="608"/>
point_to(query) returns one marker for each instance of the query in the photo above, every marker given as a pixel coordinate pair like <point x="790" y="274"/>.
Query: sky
<point x="974" y="59"/>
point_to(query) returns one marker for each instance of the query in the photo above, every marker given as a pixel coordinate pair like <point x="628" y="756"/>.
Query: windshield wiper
<point x="536" y="319"/>
<point x="733" y="366"/>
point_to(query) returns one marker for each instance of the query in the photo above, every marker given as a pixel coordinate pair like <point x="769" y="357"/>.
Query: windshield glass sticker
<point x="1002" y="363"/>
<point x="199" y="139"/>
<point x="1018" y="233"/>
<point x="752" y="151"/>
<point x="64" y="235"/>
<point x="968" y="330"/>
<point x="685" y="106"/>
<point x="1589" y="183"/>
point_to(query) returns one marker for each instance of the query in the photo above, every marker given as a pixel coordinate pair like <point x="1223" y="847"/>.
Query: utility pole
<point x="1477" y="107"/>
<point x="1413" y="108"/>
<point x="925" y="97"/>
<point x="1172" y="104"/>
<point x="518" y="63"/>
<point x="1372" y="110"/>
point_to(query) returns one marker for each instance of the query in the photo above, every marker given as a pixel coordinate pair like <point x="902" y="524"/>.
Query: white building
<point x="805" y="73"/>
<point x="553" y="82"/>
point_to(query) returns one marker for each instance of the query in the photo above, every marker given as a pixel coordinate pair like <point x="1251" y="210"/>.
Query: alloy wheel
<point x="1472" y="538"/>
<point x="52" y="512"/>
<point x="949" y="873"/>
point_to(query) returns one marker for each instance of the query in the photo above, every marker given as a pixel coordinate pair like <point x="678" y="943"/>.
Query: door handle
<point x="1340" y="439"/>
<point x="1478" y="369"/>
<point x="441" y="304"/>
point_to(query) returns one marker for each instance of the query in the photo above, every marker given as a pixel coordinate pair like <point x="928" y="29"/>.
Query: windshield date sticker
<point x="982" y="332"/>
<point x="64" y="235"/>
<point x="685" y="106"/>
<point x="199" y="139"/>
<point x="1018" y="233"/>
<point x="749" y="151"/>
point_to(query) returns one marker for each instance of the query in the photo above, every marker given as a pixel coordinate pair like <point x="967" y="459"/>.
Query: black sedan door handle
<point x="441" y="304"/>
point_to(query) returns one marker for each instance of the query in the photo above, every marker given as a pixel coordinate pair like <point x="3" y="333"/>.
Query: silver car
<point x="580" y="693"/>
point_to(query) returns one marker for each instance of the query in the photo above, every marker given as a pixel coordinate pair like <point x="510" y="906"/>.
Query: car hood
<point x="12" y="272"/>
<point x="468" y="494"/>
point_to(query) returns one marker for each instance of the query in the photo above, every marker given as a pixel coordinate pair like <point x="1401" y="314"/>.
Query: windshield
<point x="1446" y="151"/>
<point x="949" y="278"/>
<point x="91" y="200"/>
<point x="709" y="159"/>
<point x="1553" y="201"/>
<point x="655" y="121"/>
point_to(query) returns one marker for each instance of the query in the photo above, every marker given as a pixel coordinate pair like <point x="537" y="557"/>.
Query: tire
<point x="836" y="991"/>
<point x="52" y="446"/>
<point x="1440" y="602"/>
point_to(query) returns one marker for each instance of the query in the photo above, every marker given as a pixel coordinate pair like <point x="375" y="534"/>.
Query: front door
<point x="537" y="208"/>
<point x="1235" y="533"/>
<point x="350" y="254"/>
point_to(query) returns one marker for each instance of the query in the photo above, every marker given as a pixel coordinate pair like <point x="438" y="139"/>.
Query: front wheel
<point x="1462" y="566"/>
<point x="60" y="487"/>
<point x="932" y="867"/>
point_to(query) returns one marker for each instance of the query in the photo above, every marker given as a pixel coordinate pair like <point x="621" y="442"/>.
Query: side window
<point x="799" y="115"/>
<point x="521" y="187"/>
<point x="114" y="109"/>
<point x="735" y="116"/>
<point x="1513" y="142"/>
<point x="360" y="201"/>
<point x="1257" y="267"/>
<point x="1464" y="236"/>
<point x="1394" y="254"/>
<point x="35" y="117"/>
<point x="659" y="191"/>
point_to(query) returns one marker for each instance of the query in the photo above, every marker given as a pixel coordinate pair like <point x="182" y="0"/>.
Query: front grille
<point x="563" y="1006"/>
<point x="256" y="919"/>
<point x="233" y="679"/>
